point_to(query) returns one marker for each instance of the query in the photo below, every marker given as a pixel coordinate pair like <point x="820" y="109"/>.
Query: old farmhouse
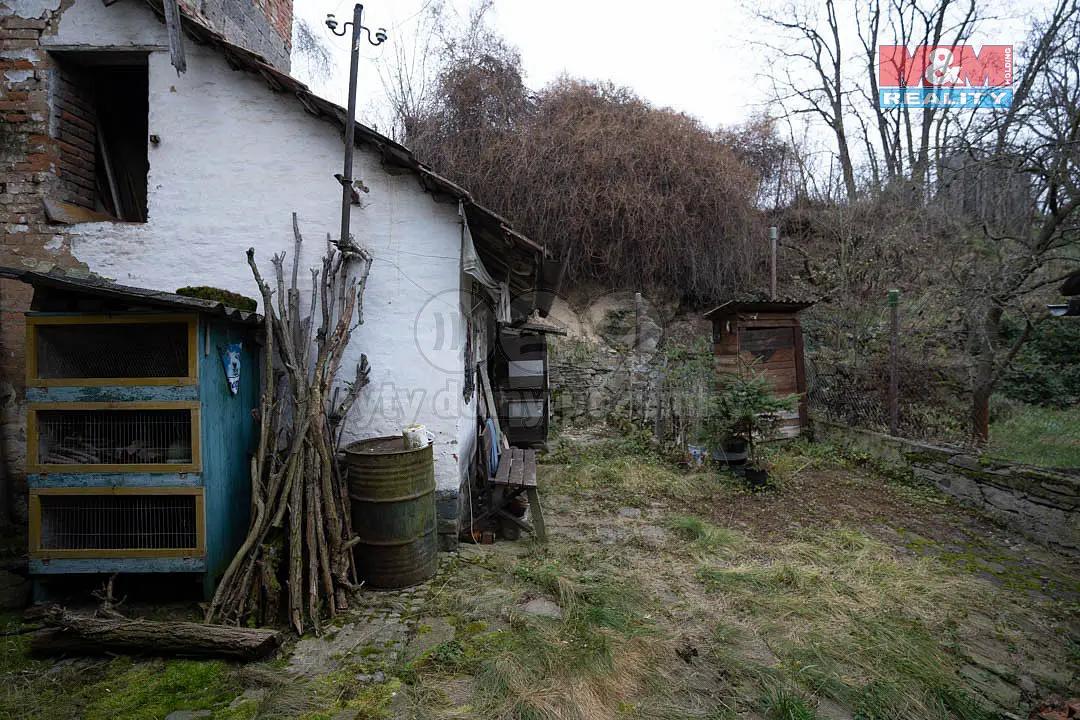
<point x="116" y="165"/>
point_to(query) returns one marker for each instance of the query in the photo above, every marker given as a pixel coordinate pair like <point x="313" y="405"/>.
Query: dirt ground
<point x="910" y="521"/>
<point x="660" y="594"/>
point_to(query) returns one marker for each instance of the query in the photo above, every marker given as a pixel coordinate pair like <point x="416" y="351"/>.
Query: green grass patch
<point x="783" y="702"/>
<point x="701" y="534"/>
<point x="118" y="689"/>
<point x="599" y="655"/>
<point x="1040" y="436"/>
<point x="152" y="690"/>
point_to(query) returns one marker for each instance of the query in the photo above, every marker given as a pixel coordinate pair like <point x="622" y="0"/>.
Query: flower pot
<point x="733" y="454"/>
<point x="756" y="478"/>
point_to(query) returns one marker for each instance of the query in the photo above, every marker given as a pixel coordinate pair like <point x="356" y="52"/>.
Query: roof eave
<point x="734" y="306"/>
<point x="100" y="287"/>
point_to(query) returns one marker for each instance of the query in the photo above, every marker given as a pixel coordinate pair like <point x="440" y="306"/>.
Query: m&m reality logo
<point x="945" y="76"/>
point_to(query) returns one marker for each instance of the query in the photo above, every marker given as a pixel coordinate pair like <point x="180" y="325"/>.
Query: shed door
<point x="771" y="352"/>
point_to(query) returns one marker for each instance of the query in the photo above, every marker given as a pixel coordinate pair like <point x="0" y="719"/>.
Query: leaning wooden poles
<point x="300" y="530"/>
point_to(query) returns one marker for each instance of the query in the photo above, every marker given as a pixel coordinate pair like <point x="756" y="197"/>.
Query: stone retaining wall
<point x="600" y="386"/>
<point x="1039" y="503"/>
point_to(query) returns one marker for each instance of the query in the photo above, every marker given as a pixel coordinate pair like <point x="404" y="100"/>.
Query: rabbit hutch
<point x="139" y="429"/>
<point x="764" y="337"/>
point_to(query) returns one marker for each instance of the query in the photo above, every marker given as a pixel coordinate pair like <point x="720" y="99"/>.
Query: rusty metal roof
<point x="759" y="306"/>
<point x="96" y="286"/>
<point x="503" y="250"/>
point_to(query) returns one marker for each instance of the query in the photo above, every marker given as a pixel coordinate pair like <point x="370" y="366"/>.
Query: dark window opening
<point x="99" y="116"/>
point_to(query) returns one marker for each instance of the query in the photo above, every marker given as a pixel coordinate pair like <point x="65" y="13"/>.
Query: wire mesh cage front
<point x="114" y="437"/>
<point x="119" y="522"/>
<point x="121" y="350"/>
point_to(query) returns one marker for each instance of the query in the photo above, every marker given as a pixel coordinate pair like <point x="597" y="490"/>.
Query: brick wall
<point x="28" y="159"/>
<point x="47" y="150"/>
<point x="74" y="125"/>
<point x="262" y="26"/>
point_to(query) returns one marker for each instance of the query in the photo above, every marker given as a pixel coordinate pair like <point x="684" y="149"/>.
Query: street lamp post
<point x="350" y="127"/>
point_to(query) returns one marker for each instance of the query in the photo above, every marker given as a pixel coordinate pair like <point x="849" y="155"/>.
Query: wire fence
<point x="848" y="371"/>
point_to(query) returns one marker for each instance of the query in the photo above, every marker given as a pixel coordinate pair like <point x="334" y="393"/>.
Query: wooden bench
<point x="517" y="475"/>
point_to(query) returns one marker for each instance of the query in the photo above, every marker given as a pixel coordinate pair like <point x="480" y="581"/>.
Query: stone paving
<point x="372" y="635"/>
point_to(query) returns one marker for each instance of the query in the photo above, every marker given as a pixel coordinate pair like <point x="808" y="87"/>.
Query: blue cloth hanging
<point x="493" y="459"/>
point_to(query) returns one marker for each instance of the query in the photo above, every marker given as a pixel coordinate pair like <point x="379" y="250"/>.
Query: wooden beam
<point x="176" y="38"/>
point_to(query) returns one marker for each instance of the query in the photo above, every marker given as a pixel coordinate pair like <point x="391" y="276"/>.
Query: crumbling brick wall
<point x="28" y="158"/>
<point x="262" y="26"/>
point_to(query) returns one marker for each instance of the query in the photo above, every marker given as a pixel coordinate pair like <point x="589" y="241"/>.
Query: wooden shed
<point x="767" y="337"/>
<point x="139" y="429"/>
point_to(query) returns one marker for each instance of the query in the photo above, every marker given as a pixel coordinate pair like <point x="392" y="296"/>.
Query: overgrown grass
<point x="701" y="534"/>
<point x="626" y="472"/>
<point x="152" y="690"/>
<point x="852" y="622"/>
<point x="821" y="617"/>
<point x="595" y="661"/>
<point x="781" y="701"/>
<point x="1038" y="436"/>
<point x="116" y="689"/>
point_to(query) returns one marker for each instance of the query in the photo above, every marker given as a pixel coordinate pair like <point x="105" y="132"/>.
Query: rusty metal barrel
<point x="393" y="511"/>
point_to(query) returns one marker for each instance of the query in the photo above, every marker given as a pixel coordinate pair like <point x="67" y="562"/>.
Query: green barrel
<point x="393" y="511"/>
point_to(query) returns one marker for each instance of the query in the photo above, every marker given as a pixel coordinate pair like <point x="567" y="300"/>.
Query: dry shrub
<point x="856" y="253"/>
<point x="633" y="196"/>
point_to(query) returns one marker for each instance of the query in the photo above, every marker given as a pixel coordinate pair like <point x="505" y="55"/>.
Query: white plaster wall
<point x="235" y="159"/>
<point x="125" y="24"/>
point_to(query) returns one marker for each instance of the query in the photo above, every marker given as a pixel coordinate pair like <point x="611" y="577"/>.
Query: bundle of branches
<point x="300" y="505"/>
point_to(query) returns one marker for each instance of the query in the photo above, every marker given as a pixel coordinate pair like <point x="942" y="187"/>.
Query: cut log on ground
<point x="67" y="634"/>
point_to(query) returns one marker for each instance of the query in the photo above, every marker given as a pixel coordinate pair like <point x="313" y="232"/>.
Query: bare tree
<point x="311" y="50"/>
<point x="409" y="72"/>
<point x="418" y="75"/>
<point x="814" y="50"/>
<point x="1038" y="139"/>
<point x="840" y="88"/>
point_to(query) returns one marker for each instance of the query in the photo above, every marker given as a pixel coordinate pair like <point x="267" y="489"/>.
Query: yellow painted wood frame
<point x="35" y="321"/>
<point x="35" y="524"/>
<point x="33" y="464"/>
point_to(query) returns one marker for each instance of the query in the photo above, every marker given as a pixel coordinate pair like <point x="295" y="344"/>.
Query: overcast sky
<point x="696" y="56"/>
<point x="686" y="54"/>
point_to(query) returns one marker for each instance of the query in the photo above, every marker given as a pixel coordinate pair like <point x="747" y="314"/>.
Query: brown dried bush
<point x="631" y="195"/>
